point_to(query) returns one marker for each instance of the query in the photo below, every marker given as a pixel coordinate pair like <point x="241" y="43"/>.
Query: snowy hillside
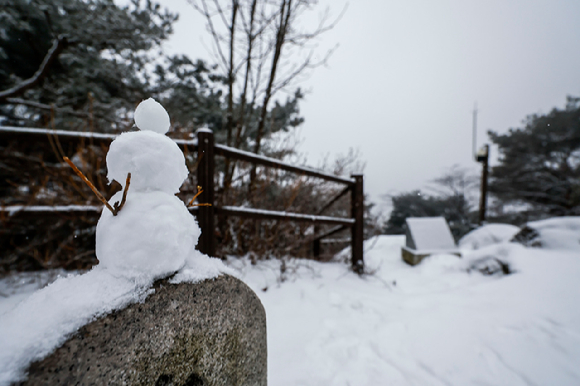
<point x="439" y="323"/>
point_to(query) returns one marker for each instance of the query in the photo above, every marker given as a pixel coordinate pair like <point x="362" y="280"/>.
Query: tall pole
<point x="474" y="134"/>
<point x="483" y="157"/>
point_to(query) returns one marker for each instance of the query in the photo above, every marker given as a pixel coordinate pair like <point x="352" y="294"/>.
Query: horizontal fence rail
<point x="47" y="210"/>
<point x="240" y="155"/>
<point x="207" y="150"/>
<point x="275" y="215"/>
<point x="21" y="133"/>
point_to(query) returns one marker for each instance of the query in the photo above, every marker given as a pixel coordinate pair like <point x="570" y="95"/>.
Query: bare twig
<point x="199" y="191"/>
<point x="97" y="193"/>
<point x="116" y="206"/>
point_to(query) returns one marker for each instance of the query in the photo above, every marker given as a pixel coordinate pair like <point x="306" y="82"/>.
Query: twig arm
<point x="118" y="206"/>
<point x="199" y="191"/>
<point x="97" y="193"/>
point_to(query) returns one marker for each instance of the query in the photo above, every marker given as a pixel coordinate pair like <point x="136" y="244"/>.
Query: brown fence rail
<point x="208" y="150"/>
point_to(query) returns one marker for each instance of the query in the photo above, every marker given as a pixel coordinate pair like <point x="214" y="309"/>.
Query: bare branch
<point x="57" y="46"/>
<point x="216" y="37"/>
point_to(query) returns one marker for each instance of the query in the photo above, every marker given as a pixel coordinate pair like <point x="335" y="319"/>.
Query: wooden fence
<point x="207" y="151"/>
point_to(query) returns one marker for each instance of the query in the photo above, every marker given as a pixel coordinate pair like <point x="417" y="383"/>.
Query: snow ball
<point x="151" y="116"/>
<point x="154" y="161"/>
<point x="150" y="237"/>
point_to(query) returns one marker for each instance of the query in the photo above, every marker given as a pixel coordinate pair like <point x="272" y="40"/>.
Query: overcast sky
<point x="402" y="84"/>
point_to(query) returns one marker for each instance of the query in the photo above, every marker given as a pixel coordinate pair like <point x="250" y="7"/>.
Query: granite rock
<point x="208" y="333"/>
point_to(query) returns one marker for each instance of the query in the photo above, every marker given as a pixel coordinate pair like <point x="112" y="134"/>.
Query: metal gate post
<point x="205" y="173"/>
<point x="357" y="213"/>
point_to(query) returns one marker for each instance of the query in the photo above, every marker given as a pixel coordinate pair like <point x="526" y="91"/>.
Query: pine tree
<point x="102" y="69"/>
<point x="539" y="164"/>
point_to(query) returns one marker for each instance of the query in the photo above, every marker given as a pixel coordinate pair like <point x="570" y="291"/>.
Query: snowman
<point x="154" y="235"/>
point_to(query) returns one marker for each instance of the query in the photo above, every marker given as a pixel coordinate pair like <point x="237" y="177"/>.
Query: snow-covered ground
<point x="439" y="323"/>
<point x="434" y="324"/>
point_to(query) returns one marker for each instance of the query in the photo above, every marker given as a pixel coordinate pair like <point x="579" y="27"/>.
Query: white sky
<point x="402" y="85"/>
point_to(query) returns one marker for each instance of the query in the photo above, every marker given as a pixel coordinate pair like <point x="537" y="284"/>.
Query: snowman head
<point x="154" y="160"/>
<point x="151" y="116"/>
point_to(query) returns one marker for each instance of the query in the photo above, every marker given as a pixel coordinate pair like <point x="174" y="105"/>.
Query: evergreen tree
<point x="539" y="164"/>
<point x="102" y="67"/>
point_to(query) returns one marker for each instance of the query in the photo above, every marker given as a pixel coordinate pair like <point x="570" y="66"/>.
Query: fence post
<point x="316" y="248"/>
<point x="357" y="213"/>
<point x="205" y="173"/>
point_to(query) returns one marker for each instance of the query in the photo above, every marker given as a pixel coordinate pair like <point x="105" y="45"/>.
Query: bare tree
<point x="261" y="50"/>
<point x="456" y="181"/>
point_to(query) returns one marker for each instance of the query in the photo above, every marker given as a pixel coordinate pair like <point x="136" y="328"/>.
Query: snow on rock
<point x="199" y="267"/>
<point x="488" y="234"/>
<point x="430" y="233"/>
<point x="558" y="232"/>
<point x="42" y="321"/>
<point x="154" y="161"/>
<point x="150" y="115"/>
<point x="18" y="286"/>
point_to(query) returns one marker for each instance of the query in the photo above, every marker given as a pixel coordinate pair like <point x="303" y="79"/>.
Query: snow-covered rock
<point x="486" y="235"/>
<point x="552" y="233"/>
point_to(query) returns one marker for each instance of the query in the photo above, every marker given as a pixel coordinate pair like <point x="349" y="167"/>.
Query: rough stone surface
<point x="209" y="333"/>
<point x="412" y="258"/>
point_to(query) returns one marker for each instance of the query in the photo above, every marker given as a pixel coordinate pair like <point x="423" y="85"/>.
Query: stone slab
<point x="413" y="257"/>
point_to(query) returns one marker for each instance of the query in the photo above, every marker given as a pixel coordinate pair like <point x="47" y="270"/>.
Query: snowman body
<point x="154" y="233"/>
